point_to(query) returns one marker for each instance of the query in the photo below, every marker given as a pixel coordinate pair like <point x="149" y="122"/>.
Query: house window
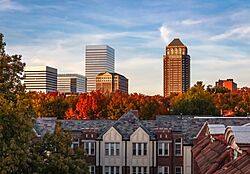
<point x="178" y="147"/>
<point x="111" y="170"/>
<point x="139" y="170"/>
<point x="139" y="149"/>
<point x="163" y="148"/>
<point x="178" y="170"/>
<point x="75" y="143"/>
<point x="91" y="169"/>
<point x="112" y="149"/>
<point x="89" y="148"/>
<point x="163" y="170"/>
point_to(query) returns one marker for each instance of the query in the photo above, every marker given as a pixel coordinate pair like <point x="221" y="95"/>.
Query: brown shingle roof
<point x="210" y="155"/>
<point x="240" y="165"/>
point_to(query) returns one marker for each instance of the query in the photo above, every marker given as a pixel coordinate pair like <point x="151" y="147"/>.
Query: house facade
<point x="133" y="146"/>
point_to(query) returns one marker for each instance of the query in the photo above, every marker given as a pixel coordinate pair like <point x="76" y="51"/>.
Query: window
<point x="89" y="148"/>
<point x="112" y="149"/>
<point x="178" y="147"/>
<point x="91" y="169"/>
<point x="139" y="149"/>
<point x="139" y="170"/>
<point x="163" y="170"/>
<point x="111" y="170"/>
<point x="163" y="148"/>
<point x="178" y="170"/>
<point x="75" y="143"/>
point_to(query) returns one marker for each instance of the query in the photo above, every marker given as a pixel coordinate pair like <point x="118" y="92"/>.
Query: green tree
<point x="53" y="155"/>
<point x="196" y="101"/>
<point x="15" y="115"/>
<point x="18" y="145"/>
<point x="11" y="69"/>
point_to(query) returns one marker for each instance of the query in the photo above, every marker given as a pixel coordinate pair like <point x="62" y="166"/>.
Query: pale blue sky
<point x="55" y="33"/>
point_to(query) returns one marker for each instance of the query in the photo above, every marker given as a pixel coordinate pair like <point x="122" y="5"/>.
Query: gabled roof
<point x="128" y="123"/>
<point x="176" y="42"/>
<point x="44" y="125"/>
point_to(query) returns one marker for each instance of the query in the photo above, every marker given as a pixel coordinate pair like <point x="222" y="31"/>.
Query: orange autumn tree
<point x="92" y="106"/>
<point x="48" y="105"/>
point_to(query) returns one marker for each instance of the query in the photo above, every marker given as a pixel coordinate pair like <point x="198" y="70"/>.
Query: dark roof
<point x="240" y="165"/>
<point x="191" y="125"/>
<point x="209" y="155"/>
<point x="176" y="42"/>
<point x="128" y="123"/>
<point x="188" y="126"/>
<point x="78" y="125"/>
<point x="44" y="125"/>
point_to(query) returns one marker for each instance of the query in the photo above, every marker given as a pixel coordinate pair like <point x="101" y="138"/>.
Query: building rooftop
<point x="188" y="126"/>
<point x="176" y="42"/>
<point x="216" y="128"/>
<point x="240" y="165"/>
<point x="110" y="73"/>
<point x="71" y="75"/>
<point x="210" y="154"/>
<point x="241" y="134"/>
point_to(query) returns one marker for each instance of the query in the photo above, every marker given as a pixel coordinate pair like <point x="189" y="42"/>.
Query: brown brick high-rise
<point x="176" y="70"/>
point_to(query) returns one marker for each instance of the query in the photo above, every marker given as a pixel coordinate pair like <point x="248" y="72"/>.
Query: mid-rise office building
<point x="40" y="78"/>
<point x="98" y="59"/>
<point x="71" y="83"/>
<point x="111" y="82"/>
<point x="176" y="70"/>
<point x="229" y="84"/>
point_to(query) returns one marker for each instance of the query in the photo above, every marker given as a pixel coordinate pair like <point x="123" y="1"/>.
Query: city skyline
<point x="217" y="35"/>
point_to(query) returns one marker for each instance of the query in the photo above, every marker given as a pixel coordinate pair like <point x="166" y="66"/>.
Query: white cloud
<point x="238" y="32"/>
<point x="165" y="32"/>
<point x="6" y="5"/>
<point x="191" y="22"/>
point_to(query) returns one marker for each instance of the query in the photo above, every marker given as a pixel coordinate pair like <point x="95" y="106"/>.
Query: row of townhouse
<point x="133" y="146"/>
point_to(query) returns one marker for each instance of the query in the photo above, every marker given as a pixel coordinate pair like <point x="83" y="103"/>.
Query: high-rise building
<point x="40" y="78"/>
<point x="111" y="82"/>
<point x="176" y="70"/>
<point x="99" y="58"/>
<point x="71" y="83"/>
<point x="229" y="84"/>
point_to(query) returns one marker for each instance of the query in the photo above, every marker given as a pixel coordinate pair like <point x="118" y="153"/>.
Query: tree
<point x="55" y="155"/>
<point x="92" y="106"/>
<point x="49" y="105"/>
<point x="11" y="69"/>
<point x="196" y="101"/>
<point x="18" y="146"/>
<point x="15" y="115"/>
<point x="117" y="105"/>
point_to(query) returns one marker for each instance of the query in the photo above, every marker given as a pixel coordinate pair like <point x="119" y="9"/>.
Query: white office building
<point x="98" y="59"/>
<point x="40" y="78"/>
<point x="71" y="83"/>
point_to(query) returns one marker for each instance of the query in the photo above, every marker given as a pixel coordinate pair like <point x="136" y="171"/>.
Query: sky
<point x="55" y="33"/>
